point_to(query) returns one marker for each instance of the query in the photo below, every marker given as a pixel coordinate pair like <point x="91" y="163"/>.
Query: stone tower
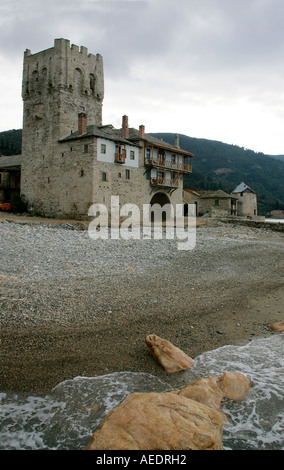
<point x="58" y="83"/>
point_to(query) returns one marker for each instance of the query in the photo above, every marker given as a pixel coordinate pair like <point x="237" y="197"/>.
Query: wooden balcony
<point x="164" y="182"/>
<point x="187" y="167"/>
<point x="168" y="164"/>
<point x="161" y="162"/>
<point x="120" y="157"/>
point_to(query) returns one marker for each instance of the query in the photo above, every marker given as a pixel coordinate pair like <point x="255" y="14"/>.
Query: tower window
<point x="92" y="82"/>
<point x="104" y="176"/>
<point x="86" y="148"/>
<point x="127" y="174"/>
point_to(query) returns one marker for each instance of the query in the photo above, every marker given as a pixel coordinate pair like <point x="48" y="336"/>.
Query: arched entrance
<point x="160" y="199"/>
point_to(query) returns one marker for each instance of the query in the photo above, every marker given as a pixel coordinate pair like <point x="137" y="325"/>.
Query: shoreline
<point x="41" y="368"/>
<point x="62" y="328"/>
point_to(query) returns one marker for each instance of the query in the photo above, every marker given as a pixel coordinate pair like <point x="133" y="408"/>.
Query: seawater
<point x="66" y="418"/>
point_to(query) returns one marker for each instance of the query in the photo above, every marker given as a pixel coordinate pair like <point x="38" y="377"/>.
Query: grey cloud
<point x="201" y="35"/>
<point x="186" y="51"/>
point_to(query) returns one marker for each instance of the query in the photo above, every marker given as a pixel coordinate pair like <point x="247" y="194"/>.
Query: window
<point x="132" y="155"/>
<point x="82" y="173"/>
<point x="103" y="148"/>
<point x="86" y="148"/>
<point x="104" y="176"/>
<point x="216" y="202"/>
<point x="119" y="175"/>
<point x="127" y="174"/>
<point x="48" y="179"/>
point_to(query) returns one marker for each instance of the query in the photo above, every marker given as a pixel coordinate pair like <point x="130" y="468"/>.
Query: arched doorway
<point x="160" y="200"/>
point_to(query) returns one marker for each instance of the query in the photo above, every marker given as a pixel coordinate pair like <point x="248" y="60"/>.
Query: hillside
<point x="278" y="157"/>
<point x="215" y="166"/>
<point x="222" y="166"/>
<point x="11" y="142"/>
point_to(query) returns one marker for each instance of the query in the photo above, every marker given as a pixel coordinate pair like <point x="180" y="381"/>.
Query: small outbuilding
<point x="247" y="200"/>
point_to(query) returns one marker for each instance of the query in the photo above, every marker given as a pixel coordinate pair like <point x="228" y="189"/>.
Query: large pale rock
<point x="278" y="326"/>
<point x="211" y="391"/>
<point x="159" y="421"/>
<point x="206" y="391"/>
<point x="171" y="358"/>
<point x="234" y="385"/>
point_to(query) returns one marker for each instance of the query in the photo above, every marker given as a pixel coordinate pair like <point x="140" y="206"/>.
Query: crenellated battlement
<point x="63" y="66"/>
<point x="57" y="82"/>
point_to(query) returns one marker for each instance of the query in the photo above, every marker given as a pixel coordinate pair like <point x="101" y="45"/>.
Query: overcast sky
<point x="204" y="68"/>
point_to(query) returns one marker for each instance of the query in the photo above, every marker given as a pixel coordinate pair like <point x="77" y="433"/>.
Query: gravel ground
<point x="72" y="306"/>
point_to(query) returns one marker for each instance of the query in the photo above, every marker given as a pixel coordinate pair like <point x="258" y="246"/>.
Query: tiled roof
<point x="241" y="188"/>
<point x="10" y="162"/>
<point x="134" y="135"/>
<point x="214" y="194"/>
<point x="105" y="132"/>
<point x="108" y="132"/>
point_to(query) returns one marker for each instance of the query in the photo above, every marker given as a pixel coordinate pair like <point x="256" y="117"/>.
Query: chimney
<point x="82" y="123"/>
<point x="177" y="141"/>
<point x="142" y="131"/>
<point x="125" y="129"/>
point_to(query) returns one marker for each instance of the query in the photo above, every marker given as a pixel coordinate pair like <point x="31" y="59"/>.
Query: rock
<point x="210" y="391"/>
<point x="159" y="421"/>
<point x="171" y="358"/>
<point x="206" y="391"/>
<point x="277" y="326"/>
<point x="234" y="385"/>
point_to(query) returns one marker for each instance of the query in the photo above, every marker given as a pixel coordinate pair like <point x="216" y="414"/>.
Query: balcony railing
<point x="168" y="164"/>
<point x="120" y="157"/>
<point x="165" y="182"/>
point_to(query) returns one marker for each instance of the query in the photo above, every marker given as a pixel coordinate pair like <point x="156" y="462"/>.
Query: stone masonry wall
<point x="63" y="179"/>
<point x="57" y="84"/>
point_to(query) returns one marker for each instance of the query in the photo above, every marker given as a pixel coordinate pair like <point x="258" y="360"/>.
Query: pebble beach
<point x="72" y="306"/>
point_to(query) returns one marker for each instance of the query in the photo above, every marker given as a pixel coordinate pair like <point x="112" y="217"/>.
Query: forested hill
<point x="222" y="166"/>
<point x="215" y="166"/>
<point x="11" y="142"/>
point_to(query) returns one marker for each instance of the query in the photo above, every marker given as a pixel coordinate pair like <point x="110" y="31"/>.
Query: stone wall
<point x="57" y="84"/>
<point x="220" y="209"/>
<point x="277" y="227"/>
<point x="63" y="178"/>
<point x="247" y="204"/>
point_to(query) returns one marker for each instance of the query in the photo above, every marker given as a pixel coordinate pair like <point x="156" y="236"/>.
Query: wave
<point x="66" y="418"/>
